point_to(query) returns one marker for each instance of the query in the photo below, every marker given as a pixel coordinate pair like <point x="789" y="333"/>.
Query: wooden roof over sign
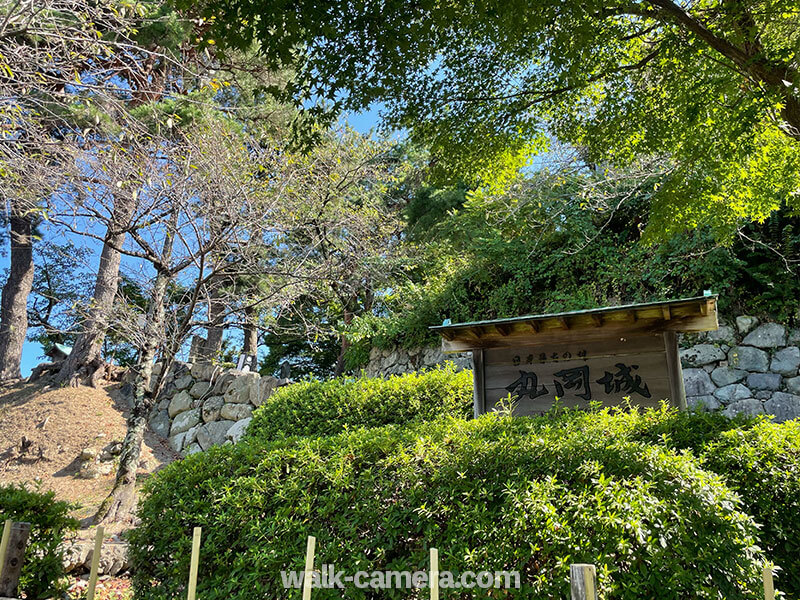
<point x="687" y="315"/>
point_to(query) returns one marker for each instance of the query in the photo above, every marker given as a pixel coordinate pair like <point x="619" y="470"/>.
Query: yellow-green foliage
<point x="497" y="493"/>
<point x="313" y="408"/>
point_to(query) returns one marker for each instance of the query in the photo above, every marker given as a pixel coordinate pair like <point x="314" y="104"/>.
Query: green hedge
<point x="496" y="493"/>
<point x="762" y="463"/>
<point x="50" y="523"/>
<point x="758" y="459"/>
<point x="329" y="407"/>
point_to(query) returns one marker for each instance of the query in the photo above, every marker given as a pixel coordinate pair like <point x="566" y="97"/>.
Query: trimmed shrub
<point x="312" y="408"/>
<point x="497" y="493"/>
<point x="763" y="464"/>
<point x="758" y="459"/>
<point x="50" y="523"/>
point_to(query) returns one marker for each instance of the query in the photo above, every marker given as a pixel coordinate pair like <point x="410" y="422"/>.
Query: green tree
<point x="339" y="246"/>
<point x="564" y="241"/>
<point x="712" y="84"/>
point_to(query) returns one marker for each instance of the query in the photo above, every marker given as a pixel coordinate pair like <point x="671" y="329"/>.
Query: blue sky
<point x="32" y="351"/>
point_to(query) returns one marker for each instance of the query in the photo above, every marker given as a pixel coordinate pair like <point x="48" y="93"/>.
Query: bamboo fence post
<point x="434" y="574"/>
<point x="13" y="558"/>
<point x="582" y="582"/>
<point x="195" y="561"/>
<point x="98" y="546"/>
<point x="4" y="543"/>
<point x="309" y="572"/>
<point x="769" y="584"/>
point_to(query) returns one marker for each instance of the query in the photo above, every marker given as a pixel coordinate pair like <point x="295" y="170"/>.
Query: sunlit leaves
<point x="480" y="83"/>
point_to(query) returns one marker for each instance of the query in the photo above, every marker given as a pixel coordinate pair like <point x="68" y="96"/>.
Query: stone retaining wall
<point x="394" y="361"/>
<point x="748" y="368"/>
<point x="743" y="367"/>
<point x="204" y="405"/>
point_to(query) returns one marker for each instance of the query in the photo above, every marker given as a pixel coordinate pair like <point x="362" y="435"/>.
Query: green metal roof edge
<point x="585" y="311"/>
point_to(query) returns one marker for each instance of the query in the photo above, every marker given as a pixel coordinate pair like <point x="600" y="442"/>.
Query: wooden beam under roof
<point x="503" y="329"/>
<point x="688" y="315"/>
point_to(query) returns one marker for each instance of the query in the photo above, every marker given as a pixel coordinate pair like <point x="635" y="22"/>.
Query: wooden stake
<point x="4" y="544"/>
<point x="582" y="582"/>
<point x="309" y="572"/>
<point x="98" y="546"/>
<point x="769" y="585"/>
<point x="194" y="564"/>
<point x="434" y="574"/>
<point x="13" y="558"/>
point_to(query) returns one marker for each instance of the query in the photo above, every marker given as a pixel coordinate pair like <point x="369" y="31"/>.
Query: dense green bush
<point x="330" y="407"/>
<point x="475" y="262"/>
<point x="763" y="465"/>
<point x="758" y="459"/>
<point x="50" y="523"/>
<point x="496" y="493"/>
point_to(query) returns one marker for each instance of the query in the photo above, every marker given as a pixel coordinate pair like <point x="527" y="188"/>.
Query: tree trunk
<point x="86" y="355"/>
<point x="14" y="301"/>
<point x="216" y="319"/>
<point x="250" y="330"/>
<point x="121" y="501"/>
<point x="344" y="345"/>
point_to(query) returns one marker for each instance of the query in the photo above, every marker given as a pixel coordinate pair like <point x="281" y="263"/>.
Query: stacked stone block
<point x="204" y="405"/>
<point x="395" y="361"/>
<point x="748" y="368"/>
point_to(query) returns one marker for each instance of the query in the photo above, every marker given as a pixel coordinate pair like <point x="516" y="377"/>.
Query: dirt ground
<point x="58" y="424"/>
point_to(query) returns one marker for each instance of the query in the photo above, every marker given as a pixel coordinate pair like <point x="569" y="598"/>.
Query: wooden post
<point x="769" y="585"/>
<point x="434" y="582"/>
<point x="677" y="391"/>
<point x="13" y="558"/>
<point x="4" y="543"/>
<point x="98" y="546"/>
<point x="195" y="561"/>
<point x="582" y="582"/>
<point x="478" y="383"/>
<point x="309" y="572"/>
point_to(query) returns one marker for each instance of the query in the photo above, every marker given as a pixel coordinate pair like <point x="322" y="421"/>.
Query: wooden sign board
<point x="597" y="355"/>
<point x="577" y="374"/>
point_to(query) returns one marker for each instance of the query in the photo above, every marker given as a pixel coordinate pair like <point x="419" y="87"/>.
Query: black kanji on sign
<point x="527" y="384"/>
<point x="576" y="378"/>
<point x="624" y="381"/>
